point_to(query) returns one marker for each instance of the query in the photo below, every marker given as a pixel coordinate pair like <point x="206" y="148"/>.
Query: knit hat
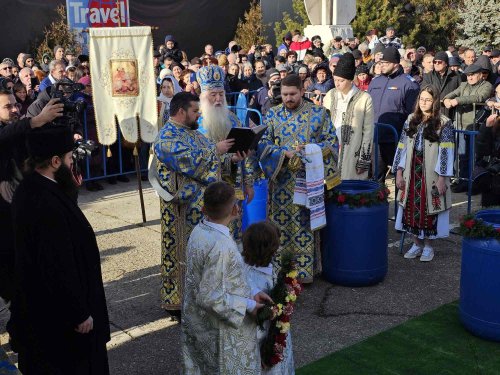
<point x="288" y="36"/>
<point x="85" y="80"/>
<point x="454" y="61"/>
<point x="495" y="53"/>
<point x="281" y="68"/>
<point x="357" y="54"/>
<point x="272" y="72"/>
<point x="378" y="49"/>
<point x="392" y="55"/>
<point x="345" y="67"/>
<point x="334" y="60"/>
<point x="169" y="38"/>
<point x="303" y="69"/>
<point x="484" y="62"/>
<point x="337" y="39"/>
<point x="443" y="56"/>
<point x="362" y="69"/>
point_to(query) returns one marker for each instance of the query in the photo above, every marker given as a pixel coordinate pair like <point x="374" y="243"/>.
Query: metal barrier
<point x="247" y="110"/>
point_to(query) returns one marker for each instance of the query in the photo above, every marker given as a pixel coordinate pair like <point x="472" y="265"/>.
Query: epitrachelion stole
<point x="123" y="83"/>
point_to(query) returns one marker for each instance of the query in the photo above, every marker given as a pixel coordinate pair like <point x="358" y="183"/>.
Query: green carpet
<point x="432" y="344"/>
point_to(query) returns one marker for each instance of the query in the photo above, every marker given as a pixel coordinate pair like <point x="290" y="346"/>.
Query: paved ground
<point x="328" y="317"/>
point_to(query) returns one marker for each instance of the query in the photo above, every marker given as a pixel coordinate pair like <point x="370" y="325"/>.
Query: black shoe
<point x="461" y="187"/>
<point x="91" y="186"/>
<point x="123" y="178"/>
<point x="175" y="315"/>
<point x="112" y="180"/>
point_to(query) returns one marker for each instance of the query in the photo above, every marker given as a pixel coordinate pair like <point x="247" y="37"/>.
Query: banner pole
<point x="138" y="172"/>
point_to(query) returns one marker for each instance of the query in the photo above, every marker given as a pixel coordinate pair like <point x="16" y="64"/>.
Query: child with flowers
<point x="260" y="242"/>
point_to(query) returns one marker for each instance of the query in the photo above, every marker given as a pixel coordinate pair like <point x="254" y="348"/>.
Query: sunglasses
<point x="7" y="68"/>
<point x="438" y="62"/>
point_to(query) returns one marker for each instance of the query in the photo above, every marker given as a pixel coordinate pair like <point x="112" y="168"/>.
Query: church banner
<point x="123" y="83"/>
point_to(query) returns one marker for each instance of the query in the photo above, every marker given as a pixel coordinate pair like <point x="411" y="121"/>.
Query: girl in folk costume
<point x="352" y="115"/>
<point x="168" y="88"/>
<point x="260" y="242"/>
<point x="423" y="165"/>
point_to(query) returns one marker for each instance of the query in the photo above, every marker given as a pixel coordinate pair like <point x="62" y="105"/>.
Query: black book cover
<point x="245" y="138"/>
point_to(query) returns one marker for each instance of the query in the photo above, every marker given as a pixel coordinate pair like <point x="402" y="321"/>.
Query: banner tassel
<point x="108" y="154"/>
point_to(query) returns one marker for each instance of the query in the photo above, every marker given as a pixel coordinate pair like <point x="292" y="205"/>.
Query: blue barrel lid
<point x="491" y="217"/>
<point x="358" y="187"/>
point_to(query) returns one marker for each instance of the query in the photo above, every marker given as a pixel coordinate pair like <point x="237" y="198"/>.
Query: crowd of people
<point x="319" y="101"/>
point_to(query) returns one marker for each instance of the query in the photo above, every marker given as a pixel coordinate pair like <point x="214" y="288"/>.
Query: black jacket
<point x="12" y="147"/>
<point x="446" y="84"/>
<point x="58" y="273"/>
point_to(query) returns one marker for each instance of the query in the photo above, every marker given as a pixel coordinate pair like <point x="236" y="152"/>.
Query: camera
<point x="63" y="90"/>
<point x="83" y="149"/>
<point x="276" y="92"/>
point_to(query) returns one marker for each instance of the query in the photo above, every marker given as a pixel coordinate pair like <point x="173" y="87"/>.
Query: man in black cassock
<point x="59" y="321"/>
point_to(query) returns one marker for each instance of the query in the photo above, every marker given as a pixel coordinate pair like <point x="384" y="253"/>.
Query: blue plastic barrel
<point x="354" y="241"/>
<point x="480" y="282"/>
<point x="256" y="210"/>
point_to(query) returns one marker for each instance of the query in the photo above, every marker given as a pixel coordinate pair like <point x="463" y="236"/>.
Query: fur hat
<point x="345" y="67"/>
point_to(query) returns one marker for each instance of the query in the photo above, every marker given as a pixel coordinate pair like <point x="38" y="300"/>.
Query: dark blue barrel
<point x="256" y="210"/>
<point x="480" y="282"/>
<point x="354" y="241"/>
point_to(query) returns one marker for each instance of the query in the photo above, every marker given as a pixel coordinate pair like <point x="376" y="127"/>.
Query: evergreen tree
<point x="431" y="23"/>
<point x="57" y="33"/>
<point x="480" y="23"/>
<point x="296" y="21"/>
<point x="249" y="31"/>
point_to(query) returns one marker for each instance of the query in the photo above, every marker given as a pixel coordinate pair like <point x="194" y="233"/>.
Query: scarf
<point x="309" y="186"/>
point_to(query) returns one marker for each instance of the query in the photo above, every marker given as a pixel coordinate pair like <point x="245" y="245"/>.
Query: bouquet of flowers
<point x="284" y="295"/>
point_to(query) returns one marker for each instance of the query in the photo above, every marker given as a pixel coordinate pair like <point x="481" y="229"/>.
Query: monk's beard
<point x="215" y="119"/>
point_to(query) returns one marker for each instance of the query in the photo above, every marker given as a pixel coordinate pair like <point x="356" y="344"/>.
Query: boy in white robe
<point x="218" y="327"/>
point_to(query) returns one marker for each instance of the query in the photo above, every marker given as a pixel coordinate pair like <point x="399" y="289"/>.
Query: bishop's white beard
<point x="215" y="119"/>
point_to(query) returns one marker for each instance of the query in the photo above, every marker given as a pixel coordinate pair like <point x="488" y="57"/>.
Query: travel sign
<point x="83" y="14"/>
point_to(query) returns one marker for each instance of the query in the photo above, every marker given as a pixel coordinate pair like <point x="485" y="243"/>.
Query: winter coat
<point x="467" y="94"/>
<point x="60" y="285"/>
<point x="394" y="98"/>
<point x="445" y="84"/>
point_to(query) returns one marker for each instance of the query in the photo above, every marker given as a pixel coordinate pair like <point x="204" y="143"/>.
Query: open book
<point x="246" y="138"/>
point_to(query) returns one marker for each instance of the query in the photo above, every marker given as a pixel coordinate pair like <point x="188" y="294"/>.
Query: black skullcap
<point x="391" y="54"/>
<point x="49" y="140"/>
<point x="443" y="56"/>
<point x="345" y="67"/>
<point x="495" y="53"/>
<point x="338" y="38"/>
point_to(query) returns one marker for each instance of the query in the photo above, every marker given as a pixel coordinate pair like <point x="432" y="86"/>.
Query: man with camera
<point x="59" y="320"/>
<point x="12" y="155"/>
<point x="267" y="97"/>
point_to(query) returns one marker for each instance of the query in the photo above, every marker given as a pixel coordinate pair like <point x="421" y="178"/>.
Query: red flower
<point x="288" y="280"/>
<point x="275" y="359"/>
<point x="498" y="230"/>
<point x="362" y="200"/>
<point x="469" y="224"/>
<point x="341" y="198"/>
<point x="381" y="195"/>
<point x="281" y="339"/>
<point x="285" y="318"/>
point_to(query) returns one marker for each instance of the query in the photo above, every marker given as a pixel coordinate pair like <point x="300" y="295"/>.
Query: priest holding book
<point x="215" y="123"/>
<point x="185" y="162"/>
<point x="298" y="153"/>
